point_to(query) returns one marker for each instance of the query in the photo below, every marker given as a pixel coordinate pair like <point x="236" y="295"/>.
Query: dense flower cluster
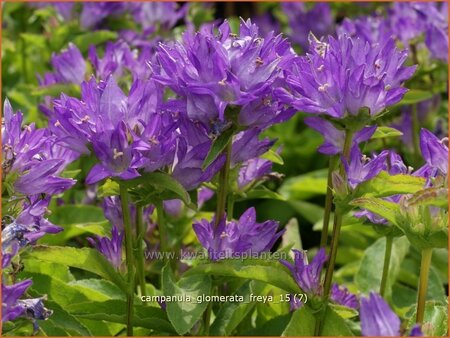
<point x="160" y="121"/>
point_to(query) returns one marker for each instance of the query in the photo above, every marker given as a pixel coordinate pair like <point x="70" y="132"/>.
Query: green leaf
<point x="115" y="311"/>
<point x="260" y="192"/>
<point x="55" y="90"/>
<point x="95" y="38"/>
<point x="273" y="157"/>
<point x="368" y="277"/>
<point x="344" y="311"/>
<point x="183" y="315"/>
<point x="61" y="319"/>
<point x="85" y="258"/>
<point x="384" y="185"/>
<point x="302" y="323"/>
<point x="435" y="322"/>
<point x="37" y="40"/>
<point x="415" y="96"/>
<point x="385" y="209"/>
<point x="108" y="188"/>
<point x="335" y="325"/>
<point x="273" y="327"/>
<point x="232" y="313"/>
<point x="292" y="235"/>
<point x="271" y="272"/>
<point x="77" y="220"/>
<point x="156" y="185"/>
<point x="305" y="186"/>
<point x="385" y="132"/>
<point x="430" y="196"/>
<point x="218" y="146"/>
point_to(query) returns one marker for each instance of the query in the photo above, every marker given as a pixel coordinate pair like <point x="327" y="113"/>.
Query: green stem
<point x="387" y="261"/>
<point x="423" y="283"/>
<point x="129" y="256"/>
<point x="328" y="205"/>
<point x="140" y="248"/>
<point x="223" y="185"/>
<point x="230" y="206"/>
<point x="337" y="223"/>
<point x="163" y="236"/>
<point x="415" y="132"/>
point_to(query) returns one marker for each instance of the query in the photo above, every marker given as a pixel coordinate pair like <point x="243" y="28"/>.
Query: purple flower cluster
<point x="406" y="22"/>
<point x="343" y="76"/>
<point x="233" y="239"/>
<point x="212" y="72"/>
<point x="32" y="164"/>
<point x="308" y="277"/>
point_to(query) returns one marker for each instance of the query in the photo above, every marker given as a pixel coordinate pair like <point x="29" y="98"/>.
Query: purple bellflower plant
<point x="232" y="239"/>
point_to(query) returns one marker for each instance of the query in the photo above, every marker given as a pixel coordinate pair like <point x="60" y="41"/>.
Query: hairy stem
<point x="337" y="223"/>
<point x="140" y="248"/>
<point x="387" y="261"/>
<point x="423" y="284"/>
<point x="129" y="256"/>
<point x="223" y="185"/>
<point x="163" y="235"/>
<point x="328" y="205"/>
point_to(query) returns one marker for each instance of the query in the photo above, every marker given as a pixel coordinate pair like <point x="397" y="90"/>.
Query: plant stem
<point x="223" y="185"/>
<point x="423" y="283"/>
<point x="328" y="205"/>
<point x="140" y="248"/>
<point x="163" y="236"/>
<point x="387" y="261"/>
<point x="337" y="223"/>
<point x="129" y="256"/>
<point x="415" y="133"/>
<point x="230" y="206"/>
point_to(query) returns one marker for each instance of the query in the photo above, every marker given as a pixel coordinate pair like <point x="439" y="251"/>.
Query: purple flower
<point x="187" y="167"/>
<point x="246" y="145"/>
<point x="11" y="309"/>
<point x="303" y="21"/>
<point x="253" y="170"/>
<point x="377" y="318"/>
<point x="211" y="72"/>
<point x="117" y="157"/>
<point x="361" y="168"/>
<point x="203" y="195"/>
<point x="162" y="15"/>
<point x="334" y="138"/>
<point x="232" y="239"/>
<point x="31" y="159"/>
<point x="341" y="76"/>
<point x="307" y="275"/>
<point x="341" y="295"/>
<point x="111" y="248"/>
<point x="436" y="39"/>
<point x="373" y="29"/>
<point x="434" y="151"/>
<point x="69" y="65"/>
<point x="94" y="13"/>
<point x="116" y="58"/>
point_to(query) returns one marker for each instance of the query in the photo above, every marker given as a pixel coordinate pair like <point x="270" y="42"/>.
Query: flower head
<point x="360" y="168"/>
<point x="339" y="77"/>
<point x="231" y="239"/>
<point x="341" y="295"/>
<point x="303" y="21"/>
<point x="69" y="65"/>
<point x="111" y="248"/>
<point x="307" y="275"/>
<point x="434" y="151"/>
<point x="211" y="72"/>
